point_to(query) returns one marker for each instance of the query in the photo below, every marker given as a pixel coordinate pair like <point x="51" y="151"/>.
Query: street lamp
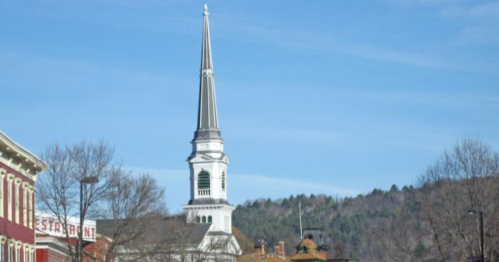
<point x="477" y="211"/>
<point x="85" y="180"/>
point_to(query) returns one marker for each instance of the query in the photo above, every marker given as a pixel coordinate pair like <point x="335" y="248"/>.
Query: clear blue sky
<point x="334" y="97"/>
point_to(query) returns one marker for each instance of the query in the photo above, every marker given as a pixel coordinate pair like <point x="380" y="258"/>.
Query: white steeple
<point x="207" y="162"/>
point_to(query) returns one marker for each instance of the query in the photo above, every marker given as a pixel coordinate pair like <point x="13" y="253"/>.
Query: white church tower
<point x="208" y="163"/>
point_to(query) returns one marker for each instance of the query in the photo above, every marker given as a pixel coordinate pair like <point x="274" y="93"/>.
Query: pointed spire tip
<point x="205" y="9"/>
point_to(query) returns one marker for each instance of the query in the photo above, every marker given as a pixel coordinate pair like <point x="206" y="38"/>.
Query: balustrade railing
<point x="203" y="192"/>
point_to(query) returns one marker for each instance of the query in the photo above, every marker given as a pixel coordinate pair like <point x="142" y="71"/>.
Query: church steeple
<point x="208" y="163"/>
<point x="207" y="127"/>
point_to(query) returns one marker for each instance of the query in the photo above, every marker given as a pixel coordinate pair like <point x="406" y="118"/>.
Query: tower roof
<point x="307" y="250"/>
<point x="207" y="115"/>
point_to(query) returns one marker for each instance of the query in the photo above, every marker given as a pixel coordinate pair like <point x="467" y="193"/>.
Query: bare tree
<point x="463" y="178"/>
<point x="128" y="203"/>
<point x="58" y="190"/>
<point x="213" y="248"/>
<point x="132" y="214"/>
<point x="178" y="240"/>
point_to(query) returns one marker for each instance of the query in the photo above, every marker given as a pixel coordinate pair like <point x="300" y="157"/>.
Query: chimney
<point x="282" y="251"/>
<point x="276" y="250"/>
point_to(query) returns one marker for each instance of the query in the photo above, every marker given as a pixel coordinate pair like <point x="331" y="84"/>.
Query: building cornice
<point x="209" y="206"/>
<point x="18" y="158"/>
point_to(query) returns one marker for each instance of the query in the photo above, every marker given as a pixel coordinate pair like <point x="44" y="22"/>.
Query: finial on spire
<point x="205" y="9"/>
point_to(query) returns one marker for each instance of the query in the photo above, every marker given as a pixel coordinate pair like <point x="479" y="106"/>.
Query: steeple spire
<point x="207" y="115"/>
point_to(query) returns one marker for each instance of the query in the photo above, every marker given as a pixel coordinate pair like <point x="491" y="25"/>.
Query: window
<point x="2" y="248"/>
<point x="30" y="207"/>
<point x="18" y="204"/>
<point x="223" y="181"/>
<point x="227" y="223"/>
<point x="11" y="251"/>
<point x="31" y="253"/>
<point x="18" y="254"/>
<point x="198" y="219"/>
<point x="26" y="251"/>
<point x="204" y="219"/>
<point x="210" y="220"/>
<point x="204" y="180"/>
<point x="3" y="172"/>
<point x="9" y="197"/>
<point x="25" y="204"/>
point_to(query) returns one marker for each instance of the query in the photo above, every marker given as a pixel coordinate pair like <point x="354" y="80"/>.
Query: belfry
<point x="208" y="163"/>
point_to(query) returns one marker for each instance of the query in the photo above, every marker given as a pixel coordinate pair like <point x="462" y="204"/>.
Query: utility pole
<point x="482" y="240"/>
<point x="301" y="229"/>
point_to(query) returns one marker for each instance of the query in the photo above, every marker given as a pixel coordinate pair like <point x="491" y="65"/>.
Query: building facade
<point x="18" y="172"/>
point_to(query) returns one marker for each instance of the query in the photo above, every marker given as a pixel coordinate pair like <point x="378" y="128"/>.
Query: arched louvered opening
<point x="223" y="181"/>
<point x="204" y="183"/>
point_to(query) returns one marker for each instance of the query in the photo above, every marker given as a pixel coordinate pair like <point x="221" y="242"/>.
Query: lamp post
<point x="482" y="242"/>
<point x="85" y="180"/>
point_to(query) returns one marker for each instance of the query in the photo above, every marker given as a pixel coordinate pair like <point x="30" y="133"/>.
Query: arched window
<point x="203" y="180"/>
<point x="210" y="220"/>
<point x="223" y="181"/>
<point x="204" y="219"/>
<point x="198" y="219"/>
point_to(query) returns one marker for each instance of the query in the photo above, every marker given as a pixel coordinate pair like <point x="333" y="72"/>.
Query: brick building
<point x="52" y="240"/>
<point x="19" y="169"/>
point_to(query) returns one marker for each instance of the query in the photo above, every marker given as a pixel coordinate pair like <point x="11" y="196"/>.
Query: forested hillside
<point x="428" y="222"/>
<point x="348" y="222"/>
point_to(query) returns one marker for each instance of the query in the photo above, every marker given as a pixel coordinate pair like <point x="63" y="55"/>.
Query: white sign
<point x="49" y="224"/>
